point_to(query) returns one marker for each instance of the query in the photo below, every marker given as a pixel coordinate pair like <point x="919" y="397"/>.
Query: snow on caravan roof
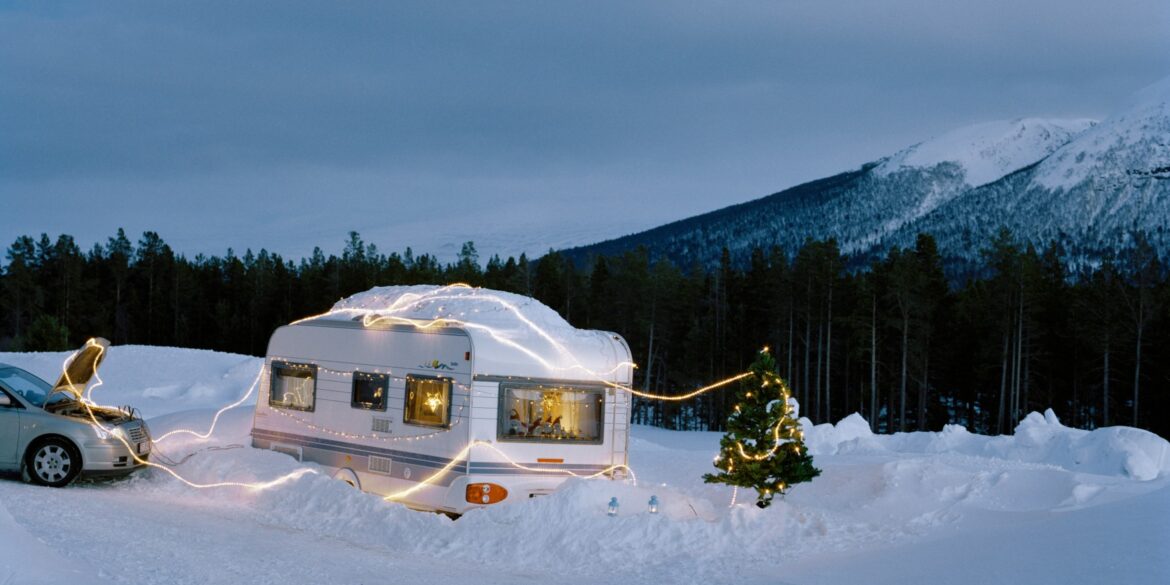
<point x="512" y="335"/>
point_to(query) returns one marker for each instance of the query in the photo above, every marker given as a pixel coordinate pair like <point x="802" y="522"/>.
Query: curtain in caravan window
<point x="551" y="413"/>
<point x="293" y="386"/>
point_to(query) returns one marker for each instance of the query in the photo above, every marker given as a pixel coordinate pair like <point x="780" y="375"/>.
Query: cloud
<point x="649" y="111"/>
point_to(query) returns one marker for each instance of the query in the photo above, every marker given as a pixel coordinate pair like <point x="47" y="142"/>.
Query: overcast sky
<point x="518" y="125"/>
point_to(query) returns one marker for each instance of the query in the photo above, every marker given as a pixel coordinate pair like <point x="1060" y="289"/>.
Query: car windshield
<point x="28" y="386"/>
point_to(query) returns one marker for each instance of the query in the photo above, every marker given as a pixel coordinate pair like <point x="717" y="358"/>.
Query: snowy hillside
<point x="1047" y="505"/>
<point x="989" y="151"/>
<point x="1131" y="145"/>
<point x="1083" y="183"/>
<point x="1113" y="178"/>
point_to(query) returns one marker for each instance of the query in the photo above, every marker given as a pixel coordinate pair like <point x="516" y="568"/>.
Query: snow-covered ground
<point x="1046" y="505"/>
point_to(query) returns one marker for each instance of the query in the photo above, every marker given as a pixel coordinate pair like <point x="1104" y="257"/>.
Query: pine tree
<point x="764" y="446"/>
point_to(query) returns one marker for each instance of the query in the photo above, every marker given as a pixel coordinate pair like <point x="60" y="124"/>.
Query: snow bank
<point x="1039" y="438"/>
<point x="1127" y="451"/>
<point x="157" y="380"/>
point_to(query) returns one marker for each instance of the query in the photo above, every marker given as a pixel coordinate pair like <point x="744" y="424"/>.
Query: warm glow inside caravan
<point x="534" y="413"/>
<point x="428" y="401"/>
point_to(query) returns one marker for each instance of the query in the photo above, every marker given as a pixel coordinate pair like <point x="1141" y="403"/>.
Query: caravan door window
<point x="540" y="412"/>
<point x="369" y="391"/>
<point x="293" y="386"/>
<point x="428" y="401"/>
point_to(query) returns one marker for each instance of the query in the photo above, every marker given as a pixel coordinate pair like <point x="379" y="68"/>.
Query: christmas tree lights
<point x="764" y="446"/>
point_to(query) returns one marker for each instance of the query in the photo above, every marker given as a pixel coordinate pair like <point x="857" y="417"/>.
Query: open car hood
<point x="80" y="370"/>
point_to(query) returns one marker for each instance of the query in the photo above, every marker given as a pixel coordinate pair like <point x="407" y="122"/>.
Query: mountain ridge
<point x="962" y="187"/>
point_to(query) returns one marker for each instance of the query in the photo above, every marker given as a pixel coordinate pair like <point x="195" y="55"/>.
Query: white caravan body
<point x="390" y="388"/>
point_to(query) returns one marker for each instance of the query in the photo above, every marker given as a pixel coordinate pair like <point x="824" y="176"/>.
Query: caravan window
<point x="369" y="391"/>
<point x="293" y="386"/>
<point x="428" y="401"/>
<point x="551" y="413"/>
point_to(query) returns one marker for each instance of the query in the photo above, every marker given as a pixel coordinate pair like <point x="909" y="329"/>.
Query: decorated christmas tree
<point x="764" y="446"/>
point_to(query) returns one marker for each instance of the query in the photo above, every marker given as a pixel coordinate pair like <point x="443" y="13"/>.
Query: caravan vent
<point x="381" y="425"/>
<point x="379" y="464"/>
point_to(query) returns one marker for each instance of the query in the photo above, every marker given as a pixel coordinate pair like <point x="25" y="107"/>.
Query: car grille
<point x="136" y="433"/>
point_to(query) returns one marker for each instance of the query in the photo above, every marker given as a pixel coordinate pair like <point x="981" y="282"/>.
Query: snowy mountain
<point x="989" y="151"/>
<point x="1090" y="193"/>
<point x="1131" y="145"/>
<point x="1087" y="184"/>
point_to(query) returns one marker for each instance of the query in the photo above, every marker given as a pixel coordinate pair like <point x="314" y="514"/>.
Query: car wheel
<point x="54" y="462"/>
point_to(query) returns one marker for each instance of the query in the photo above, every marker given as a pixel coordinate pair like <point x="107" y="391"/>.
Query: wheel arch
<point x="39" y="439"/>
<point x="348" y="476"/>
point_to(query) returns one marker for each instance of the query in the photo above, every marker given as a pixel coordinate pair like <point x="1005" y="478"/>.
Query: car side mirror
<point x="5" y="400"/>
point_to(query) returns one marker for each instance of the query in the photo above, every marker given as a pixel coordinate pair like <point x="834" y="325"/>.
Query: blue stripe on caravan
<point x="477" y="467"/>
<point x="334" y="458"/>
<point x="549" y="473"/>
<point x="361" y="450"/>
<point x="405" y="457"/>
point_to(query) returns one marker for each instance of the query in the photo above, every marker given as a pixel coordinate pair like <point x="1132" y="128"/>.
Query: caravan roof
<point x="512" y="335"/>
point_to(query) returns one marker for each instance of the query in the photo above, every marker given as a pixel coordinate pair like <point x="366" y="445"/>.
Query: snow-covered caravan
<point x="447" y="398"/>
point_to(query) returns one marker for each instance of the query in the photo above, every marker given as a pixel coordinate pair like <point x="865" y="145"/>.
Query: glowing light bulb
<point x="433" y="402"/>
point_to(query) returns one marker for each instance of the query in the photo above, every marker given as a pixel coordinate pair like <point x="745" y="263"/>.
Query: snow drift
<point x="1039" y="438"/>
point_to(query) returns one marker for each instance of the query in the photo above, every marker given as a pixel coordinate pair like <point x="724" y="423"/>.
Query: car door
<point x="9" y="429"/>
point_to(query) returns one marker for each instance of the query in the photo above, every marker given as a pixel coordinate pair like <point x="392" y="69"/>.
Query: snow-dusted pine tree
<point x="764" y="446"/>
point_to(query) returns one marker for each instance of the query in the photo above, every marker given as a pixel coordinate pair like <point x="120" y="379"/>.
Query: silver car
<point x="47" y="433"/>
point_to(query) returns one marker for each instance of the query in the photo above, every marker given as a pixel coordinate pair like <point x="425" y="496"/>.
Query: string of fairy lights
<point x="456" y="420"/>
<point x="89" y="407"/>
<point x="778" y="442"/>
<point x="370" y="319"/>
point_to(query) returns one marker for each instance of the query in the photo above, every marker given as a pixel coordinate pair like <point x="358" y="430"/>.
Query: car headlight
<point x="114" y="434"/>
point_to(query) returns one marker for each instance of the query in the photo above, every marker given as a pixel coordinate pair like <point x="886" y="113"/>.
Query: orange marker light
<point x="485" y="493"/>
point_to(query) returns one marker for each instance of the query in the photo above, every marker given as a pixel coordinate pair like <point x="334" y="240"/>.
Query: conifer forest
<point x="897" y="341"/>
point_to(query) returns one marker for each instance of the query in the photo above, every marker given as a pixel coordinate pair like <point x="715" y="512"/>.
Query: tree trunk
<point x="1105" y="405"/>
<point x="649" y="357"/>
<point x="1027" y="378"/>
<point x="873" y="393"/>
<point x="1015" y="418"/>
<point x="1003" y="375"/>
<point x="791" y="326"/>
<point x="829" y="359"/>
<point x="905" y="351"/>
<point x="150" y="305"/>
<point x="807" y="341"/>
<point x="820" y="362"/>
<point x="1137" y="364"/>
<point x="923" y="387"/>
